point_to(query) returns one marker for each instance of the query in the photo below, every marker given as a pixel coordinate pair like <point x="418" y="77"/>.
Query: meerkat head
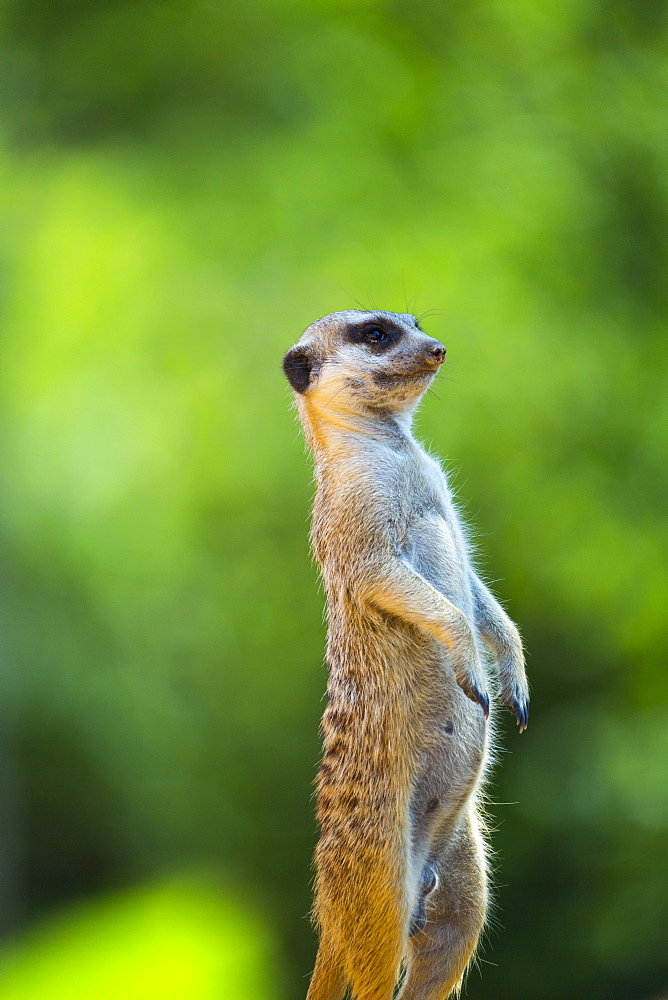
<point x="355" y="362"/>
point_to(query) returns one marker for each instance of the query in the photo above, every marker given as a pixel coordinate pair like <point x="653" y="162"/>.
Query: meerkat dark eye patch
<point x="298" y="365"/>
<point x="378" y="337"/>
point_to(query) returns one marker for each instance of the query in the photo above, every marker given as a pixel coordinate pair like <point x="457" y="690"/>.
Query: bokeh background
<point x="186" y="185"/>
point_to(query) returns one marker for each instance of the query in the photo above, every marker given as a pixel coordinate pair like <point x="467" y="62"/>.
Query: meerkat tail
<point x="328" y="981"/>
<point x="369" y="931"/>
<point x="362" y="905"/>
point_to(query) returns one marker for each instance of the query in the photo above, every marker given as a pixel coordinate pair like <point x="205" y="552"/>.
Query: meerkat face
<point x="355" y="361"/>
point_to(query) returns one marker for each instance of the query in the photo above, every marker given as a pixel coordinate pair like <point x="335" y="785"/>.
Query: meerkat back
<point x="400" y="863"/>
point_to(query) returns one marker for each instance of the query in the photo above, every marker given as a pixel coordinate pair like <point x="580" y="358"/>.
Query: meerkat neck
<point x="332" y="431"/>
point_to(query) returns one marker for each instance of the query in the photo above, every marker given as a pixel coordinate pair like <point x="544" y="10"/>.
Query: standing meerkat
<point x="400" y="864"/>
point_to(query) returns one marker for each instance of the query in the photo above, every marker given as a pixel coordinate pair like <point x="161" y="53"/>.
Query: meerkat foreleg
<point x="395" y="587"/>
<point x="503" y="638"/>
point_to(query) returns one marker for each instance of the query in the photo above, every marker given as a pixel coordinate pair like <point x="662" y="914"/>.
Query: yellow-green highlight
<point x="179" y="940"/>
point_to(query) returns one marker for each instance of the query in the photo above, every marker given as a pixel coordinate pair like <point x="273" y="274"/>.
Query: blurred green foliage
<point x="186" y="184"/>
<point x="167" y="942"/>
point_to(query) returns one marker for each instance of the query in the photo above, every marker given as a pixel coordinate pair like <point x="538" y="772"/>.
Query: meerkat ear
<point x="298" y="365"/>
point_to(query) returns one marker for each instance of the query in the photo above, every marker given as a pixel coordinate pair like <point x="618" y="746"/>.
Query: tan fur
<point x="400" y="865"/>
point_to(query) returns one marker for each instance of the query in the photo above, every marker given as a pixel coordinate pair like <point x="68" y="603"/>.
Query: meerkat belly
<point x="450" y="761"/>
<point x="450" y="767"/>
<point x="452" y="753"/>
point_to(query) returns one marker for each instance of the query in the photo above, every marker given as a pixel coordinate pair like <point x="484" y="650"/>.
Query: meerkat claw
<point x="521" y="712"/>
<point x="482" y="699"/>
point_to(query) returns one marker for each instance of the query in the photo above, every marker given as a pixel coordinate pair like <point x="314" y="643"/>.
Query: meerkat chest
<point x="434" y="543"/>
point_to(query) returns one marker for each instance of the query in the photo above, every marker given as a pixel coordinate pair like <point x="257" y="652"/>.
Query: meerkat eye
<point x="375" y="336"/>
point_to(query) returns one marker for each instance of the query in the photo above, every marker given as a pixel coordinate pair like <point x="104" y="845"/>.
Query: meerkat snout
<point x="435" y="353"/>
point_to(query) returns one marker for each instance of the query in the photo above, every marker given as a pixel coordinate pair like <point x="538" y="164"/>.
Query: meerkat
<point x="400" y="866"/>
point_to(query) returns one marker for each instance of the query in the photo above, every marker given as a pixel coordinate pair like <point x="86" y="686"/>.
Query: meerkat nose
<point x="435" y="353"/>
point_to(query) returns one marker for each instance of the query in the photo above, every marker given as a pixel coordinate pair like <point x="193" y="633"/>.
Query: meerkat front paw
<point x="471" y="678"/>
<point x="515" y="696"/>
